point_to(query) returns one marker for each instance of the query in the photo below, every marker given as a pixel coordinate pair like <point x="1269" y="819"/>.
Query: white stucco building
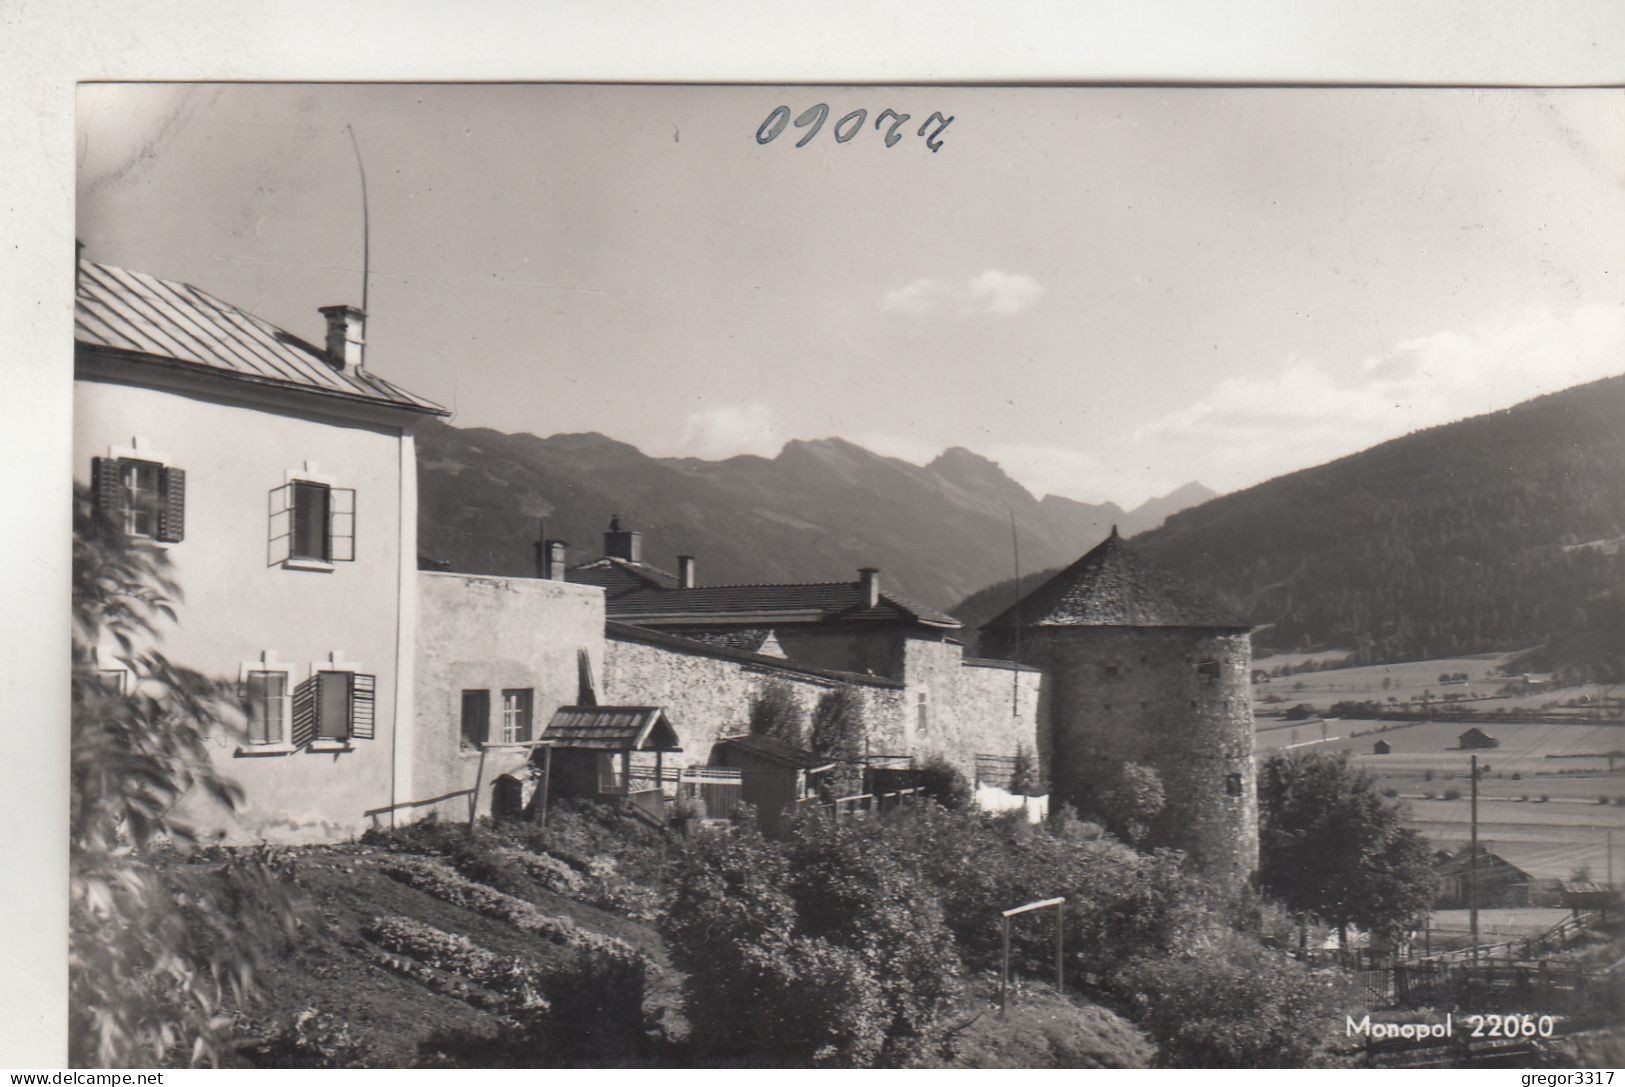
<point x="281" y="478"/>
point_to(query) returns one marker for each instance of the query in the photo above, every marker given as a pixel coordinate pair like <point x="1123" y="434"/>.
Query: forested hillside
<point x="1502" y="531"/>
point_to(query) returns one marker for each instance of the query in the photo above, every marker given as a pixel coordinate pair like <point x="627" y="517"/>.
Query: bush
<point x="1048" y="1030"/>
<point x="1231" y="1003"/>
<point x="1452" y="793"/>
<point x="1544" y="798"/>
<point x="943" y="782"/>
<point x="1133" y="802"/>
<point x="817" y="951"/>
<point x="776" y="712"/>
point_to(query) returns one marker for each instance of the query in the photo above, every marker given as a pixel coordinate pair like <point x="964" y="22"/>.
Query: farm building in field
<point x="1382" y="747"/>
<point x="1475" y="739"/>
<point x="1500" y="883"/>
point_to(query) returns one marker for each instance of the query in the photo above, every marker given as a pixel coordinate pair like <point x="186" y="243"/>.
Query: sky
<point x="1109" y="291"/>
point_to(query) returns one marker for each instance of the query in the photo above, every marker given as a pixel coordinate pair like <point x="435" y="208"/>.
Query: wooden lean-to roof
<point x="1111" y="586"/>
<point x="145" y="318"/>
<point x="611" y="728"/>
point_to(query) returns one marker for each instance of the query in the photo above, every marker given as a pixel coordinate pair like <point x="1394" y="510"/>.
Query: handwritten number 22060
<point x="813" y="118"/>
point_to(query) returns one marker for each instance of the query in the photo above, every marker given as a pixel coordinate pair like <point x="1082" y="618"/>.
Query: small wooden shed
<point x="589" y="750"/>
<point x="776" y="777"/>
<point x="1476" y="739"/>
<point x="1381" y="747"/>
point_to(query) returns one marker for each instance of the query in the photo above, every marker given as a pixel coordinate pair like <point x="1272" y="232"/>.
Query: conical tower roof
<point x="1112" y="586"/>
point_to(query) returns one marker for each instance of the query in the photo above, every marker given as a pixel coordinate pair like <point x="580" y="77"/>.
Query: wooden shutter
<point x="107" y="489"/>
<point x="307" y="712"/>
<point x="362" y="688"/>
<point x="172" y="513"/>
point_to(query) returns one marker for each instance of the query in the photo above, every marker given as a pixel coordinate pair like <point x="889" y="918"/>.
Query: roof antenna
<point x="366" y="239"/>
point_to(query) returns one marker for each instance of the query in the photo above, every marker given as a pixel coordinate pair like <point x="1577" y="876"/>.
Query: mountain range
<point x="817" y="511"/>
<point x="1498" y="532"/>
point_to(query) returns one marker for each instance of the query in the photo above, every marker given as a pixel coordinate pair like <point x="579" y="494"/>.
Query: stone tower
<point x="1138" y="667"/>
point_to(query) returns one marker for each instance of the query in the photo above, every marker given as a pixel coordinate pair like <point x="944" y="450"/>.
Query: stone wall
<point x="493" y="634"/>
<point x="707" y="691"/>
<point x="967" y="706"/>
<point x="1176" y="699"/>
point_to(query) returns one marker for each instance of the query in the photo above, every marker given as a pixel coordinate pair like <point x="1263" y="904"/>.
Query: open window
<point x="332" y="708"/>
<point x="312" y="523"/>
<point x="1208" y="672"/>
<point x="143" y="496"/>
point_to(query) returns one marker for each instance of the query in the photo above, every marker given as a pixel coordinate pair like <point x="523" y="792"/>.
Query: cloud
<point x="1248" y="429"/>
<point x="995" y="292"/>
<point x="729" y="430"/>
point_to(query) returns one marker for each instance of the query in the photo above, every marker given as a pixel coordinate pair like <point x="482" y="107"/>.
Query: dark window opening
<point x="476" y="717"/>
<point x="311" y="505"/>
<point x="1232" y="784"/>
<point x="1208" y="670"/>
<point x="333" y="695"/>
<point x="922" y="710"/>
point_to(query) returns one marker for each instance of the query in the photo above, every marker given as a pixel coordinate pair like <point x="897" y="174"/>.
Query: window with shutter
<point x="306" y="712"/>
<point x="267" y="696"/>
<point x="106" y="489"/>
<point x="363" y="690"/>
<point x="172" y="512"/>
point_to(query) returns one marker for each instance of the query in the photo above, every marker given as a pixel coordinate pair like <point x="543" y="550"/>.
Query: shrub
<point x="838" y="733"/>
<point x="1452" y="793"/>
<point x="313" y="1039"/>
<point x="1133" y="802"/>
<point x="1049" y="1030"/>
<point x="1427" y="775"/>
<point x="1544" y="798"/>
<point x="819" y="951"/>
<point x="1234" y="1004"/>
<point x="944" y="783"/>
<point x="776" y="712"/>
<point x="1516" y="776"/>
<point x="1024" y="776"/>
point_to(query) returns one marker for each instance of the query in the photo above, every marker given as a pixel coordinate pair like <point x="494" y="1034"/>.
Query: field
<point x="1549" y="796"/>
<point x="1407" y="682"/>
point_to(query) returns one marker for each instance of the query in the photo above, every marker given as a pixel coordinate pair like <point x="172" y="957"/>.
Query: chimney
<point x="346" y="336"/>
<point x="557" y="554"/>
<point x="624" y="545"/>
<point x="869" y="582"/>
<point x="685" y="571"/>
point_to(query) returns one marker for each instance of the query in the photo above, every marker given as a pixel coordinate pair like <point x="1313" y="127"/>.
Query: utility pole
<point x="1610" y="860"/>
<point x="1472" y="868"/>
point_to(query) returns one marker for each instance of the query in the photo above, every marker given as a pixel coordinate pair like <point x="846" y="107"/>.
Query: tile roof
<point x="794" y="603"/>
<point x="626" y="632"/>
<point x="1112" y="586"/>
<point x="775" y="750"/>
<point x="617" y="577"/>
<point x="612" y="728"/>
<point x="141" y="314"/>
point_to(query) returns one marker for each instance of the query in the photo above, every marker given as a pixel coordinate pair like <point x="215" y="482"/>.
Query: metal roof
<point x="1112" y="586"/>
<point x="772" y="605"/>
<point x="141" y="314"/>
<point x="612" y="728"/>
